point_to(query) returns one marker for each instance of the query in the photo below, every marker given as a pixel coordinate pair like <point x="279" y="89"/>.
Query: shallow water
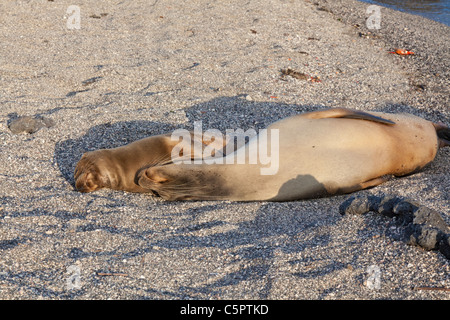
<point x="438" y="10"/>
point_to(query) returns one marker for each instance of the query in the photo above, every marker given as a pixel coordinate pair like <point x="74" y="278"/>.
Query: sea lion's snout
<point x="86" y="183"/>
<point x="87" y="175"/>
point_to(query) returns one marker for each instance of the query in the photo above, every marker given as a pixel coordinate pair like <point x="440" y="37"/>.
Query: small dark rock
<point x="424" y="227"/>
<point x="294" y="74"/>
<point x="424" y="236"/>
<point x="29" y="124"/>
<point x="444" y="246"/>
<point x="386" y="206"/>
<point x="359" y="205"/>
<point x="405" y="208"/>
<point x="90" y="81"/>
<point x="77" y="253"/>
<point x="430" y="217"/>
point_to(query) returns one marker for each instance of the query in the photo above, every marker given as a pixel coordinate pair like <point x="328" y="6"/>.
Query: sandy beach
<point x="105" y="73"/>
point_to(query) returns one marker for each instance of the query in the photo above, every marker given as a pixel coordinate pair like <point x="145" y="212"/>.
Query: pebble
<point x="29" y="124"/>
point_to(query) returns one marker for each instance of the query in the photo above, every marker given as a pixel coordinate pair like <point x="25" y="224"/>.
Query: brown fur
<point x="321" y="153"/>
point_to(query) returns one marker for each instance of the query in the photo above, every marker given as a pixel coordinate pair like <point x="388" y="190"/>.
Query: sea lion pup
<point x="318" y="153"/>
<point x="116" y="168"/>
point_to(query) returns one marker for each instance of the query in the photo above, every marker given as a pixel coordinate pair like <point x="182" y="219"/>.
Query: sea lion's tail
<point x="443" y="133"/>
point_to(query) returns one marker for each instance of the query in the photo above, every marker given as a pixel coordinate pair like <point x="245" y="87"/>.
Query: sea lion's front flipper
<point x="346" y="113"/>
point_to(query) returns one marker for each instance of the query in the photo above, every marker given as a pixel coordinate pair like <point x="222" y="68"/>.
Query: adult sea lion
<point x="319" y="153"/>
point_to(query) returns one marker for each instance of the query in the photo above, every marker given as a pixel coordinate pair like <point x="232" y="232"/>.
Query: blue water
<point x="437" y="10"/>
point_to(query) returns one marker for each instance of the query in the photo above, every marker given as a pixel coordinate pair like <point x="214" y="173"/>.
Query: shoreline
<point x="433" y="11"/>
<point x="427" y="38"/>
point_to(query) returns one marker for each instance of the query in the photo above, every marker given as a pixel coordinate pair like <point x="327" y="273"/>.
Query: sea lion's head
<point x="91" y="172"/>
<point x="176" y="182"/>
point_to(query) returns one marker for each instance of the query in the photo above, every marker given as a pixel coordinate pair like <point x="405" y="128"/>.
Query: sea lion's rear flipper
<point x="443" y="133"/>
<point x="365" y="185"/>
<point x="346" y="113"/>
